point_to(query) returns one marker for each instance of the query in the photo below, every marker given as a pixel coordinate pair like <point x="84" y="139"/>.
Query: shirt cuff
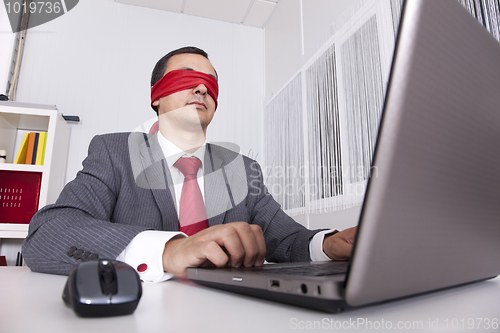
<point x="145" y="254"/>
<point x="316" y="245"/>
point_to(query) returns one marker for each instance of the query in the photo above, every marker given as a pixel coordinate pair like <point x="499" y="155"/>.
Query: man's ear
<point x="156" y="103"/>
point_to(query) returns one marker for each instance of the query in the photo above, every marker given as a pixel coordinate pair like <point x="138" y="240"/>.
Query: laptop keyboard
<point x="326" y="268"/>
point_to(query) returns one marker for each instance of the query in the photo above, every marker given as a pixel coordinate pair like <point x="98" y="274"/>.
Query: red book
<point x="19" y="195"/>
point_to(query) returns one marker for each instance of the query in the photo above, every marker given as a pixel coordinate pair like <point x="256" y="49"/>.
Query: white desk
<point x="31" y="302"/>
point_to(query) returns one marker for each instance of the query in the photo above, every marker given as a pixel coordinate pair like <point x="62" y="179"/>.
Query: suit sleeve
<point x="79" y="225"/>
<point x="286" y="240"/>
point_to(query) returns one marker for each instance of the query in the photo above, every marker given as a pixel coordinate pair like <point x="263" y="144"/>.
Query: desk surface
<point x="31" y="302"/>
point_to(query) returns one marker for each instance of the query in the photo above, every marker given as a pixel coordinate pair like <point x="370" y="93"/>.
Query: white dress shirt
<point x="147" y="247"/>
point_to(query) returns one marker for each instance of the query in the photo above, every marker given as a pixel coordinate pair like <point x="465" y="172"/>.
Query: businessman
<point x="166" y="201"/>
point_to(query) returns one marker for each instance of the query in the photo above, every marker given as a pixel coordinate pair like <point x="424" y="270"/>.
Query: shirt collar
<point x="172" y="153"/>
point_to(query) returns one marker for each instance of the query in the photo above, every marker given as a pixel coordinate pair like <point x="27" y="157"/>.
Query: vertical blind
<point x="487" y="12"/>
<point x="284" y="150"/>
<point x="313" y="167"/>
<point x="325" y="164"/>
<point x="364" y="97"/>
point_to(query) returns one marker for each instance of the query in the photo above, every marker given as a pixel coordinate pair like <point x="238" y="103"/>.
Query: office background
<point x="96" y="61"/>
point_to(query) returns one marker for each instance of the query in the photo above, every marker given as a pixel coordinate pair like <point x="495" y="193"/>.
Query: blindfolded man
<point x="168" y="200"/>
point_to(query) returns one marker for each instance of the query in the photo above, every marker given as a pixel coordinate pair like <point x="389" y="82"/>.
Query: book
<point x="40" y="156"/>
<point x="23" y="149"/>
<point x="31" y="145"/>
<point x="35" y="148"/>
<point x="19" y="195"/>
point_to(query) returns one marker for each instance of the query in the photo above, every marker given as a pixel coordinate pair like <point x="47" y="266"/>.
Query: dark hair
<point x="161" y="65"/>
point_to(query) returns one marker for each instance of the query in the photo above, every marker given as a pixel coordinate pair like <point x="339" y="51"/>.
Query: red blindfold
<point x="181" y="79"/>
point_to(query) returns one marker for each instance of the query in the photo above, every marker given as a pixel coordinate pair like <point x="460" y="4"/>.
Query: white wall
<point x="297" y="29"/>
<point x="283" y="38"/>
<point x="96" y="62"/>
<point x="295" y="32"/>
<point x="341" y="219"/>
<point x="6" y="47"/>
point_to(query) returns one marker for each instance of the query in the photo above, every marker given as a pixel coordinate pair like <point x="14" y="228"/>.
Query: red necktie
<point x="192" y="214"/>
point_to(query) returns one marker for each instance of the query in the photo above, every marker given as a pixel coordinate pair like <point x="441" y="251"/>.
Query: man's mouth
<point x="198" y="104"/>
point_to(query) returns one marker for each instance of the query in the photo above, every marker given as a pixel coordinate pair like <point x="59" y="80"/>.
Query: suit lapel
<point x="160" y="182"/>
<point x="217" y="200"/>
<point x="158" y="179"/>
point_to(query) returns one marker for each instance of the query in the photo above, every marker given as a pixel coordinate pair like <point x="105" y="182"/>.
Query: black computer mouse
<point x="101" y="288"/>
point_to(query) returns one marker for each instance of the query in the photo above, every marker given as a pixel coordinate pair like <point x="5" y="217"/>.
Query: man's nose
<point x="200" y="89"/>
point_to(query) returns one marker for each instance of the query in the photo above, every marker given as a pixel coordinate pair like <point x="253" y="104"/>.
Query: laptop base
<point x="329" y="306"/>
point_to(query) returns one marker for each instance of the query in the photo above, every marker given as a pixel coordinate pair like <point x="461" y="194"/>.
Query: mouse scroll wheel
<point x="109" y="285"/>
<point x="108" y="276"/>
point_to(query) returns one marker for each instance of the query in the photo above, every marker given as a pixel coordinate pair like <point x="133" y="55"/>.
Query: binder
<point x="31" y="145"/>
<point x="40" y="156"/>
<point x="35" y="148"/>
<point x="23" y="149"/>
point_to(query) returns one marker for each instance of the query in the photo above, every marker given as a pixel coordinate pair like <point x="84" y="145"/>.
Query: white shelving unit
<point x="14" y="117"/>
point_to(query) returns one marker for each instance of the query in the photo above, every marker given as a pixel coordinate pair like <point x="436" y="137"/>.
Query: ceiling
<point x="253" y="13"/>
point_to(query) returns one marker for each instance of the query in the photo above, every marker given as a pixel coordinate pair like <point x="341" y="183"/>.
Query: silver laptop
<point x="431" y="218"/>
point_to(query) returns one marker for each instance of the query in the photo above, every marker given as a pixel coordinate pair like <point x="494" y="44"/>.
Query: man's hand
<point x="339" y="246"/>
<point x="233" y="244"/>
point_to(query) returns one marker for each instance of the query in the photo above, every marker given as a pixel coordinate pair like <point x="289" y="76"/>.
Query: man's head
<point x="161" y="65"/>
<point x="200" y="96"/>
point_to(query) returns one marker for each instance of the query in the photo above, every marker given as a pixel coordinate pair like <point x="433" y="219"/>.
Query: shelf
<point x="21" y="167"/>
<point x="15" y="120"/>
<point x="13" y="230"/>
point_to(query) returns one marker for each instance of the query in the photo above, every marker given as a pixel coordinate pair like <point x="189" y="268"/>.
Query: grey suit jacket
<point x="125" y="188"/>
